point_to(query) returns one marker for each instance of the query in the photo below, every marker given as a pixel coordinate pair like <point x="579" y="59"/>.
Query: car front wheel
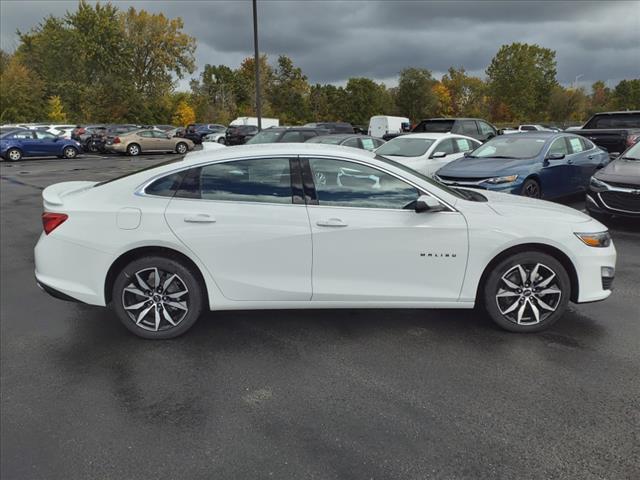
<point x="527" y="292"/>
<point x="70" y="152"/>
<point x="157" y="297"/>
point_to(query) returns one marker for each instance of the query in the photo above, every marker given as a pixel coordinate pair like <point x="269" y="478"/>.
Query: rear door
<point x="247" y="222"/>
<point x="585" y="160"/>
<point x="370" y="245"/>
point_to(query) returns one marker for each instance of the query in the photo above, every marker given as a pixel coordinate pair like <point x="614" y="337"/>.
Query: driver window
<point x="44" y="135"/>
<point x="559" y="146"/>
<point x="348" y="184"/>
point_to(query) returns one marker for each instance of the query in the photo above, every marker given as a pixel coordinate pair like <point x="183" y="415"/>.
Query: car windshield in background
<point x="406" y="147"/>
<point x="327" y="140"/>
<point x="441" y="126"/>
<point x="633" y="153"/>
<point x="266" y="136"/>
<point x="620" y="120"/>
<point x="509" y="147"/>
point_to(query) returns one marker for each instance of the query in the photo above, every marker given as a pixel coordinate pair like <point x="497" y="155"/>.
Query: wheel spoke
<point x="545" y="305"/>
<point x="135" y="291"/>
<point x="550" y="291"/>
<point x="137" y="305"/>
<point x="141" y="282"/>
<point x="535" y="310"/>
<point x="546" y="281"/>
<point x="168" y="281"/>
<point x="510" y="284"/>
<point x="523" y="275"/>
<point x="513" y="306"/>
<point x="177" y="295"/>
<point x="180" y="305"/>
<point x="143" y="314"/>
<point x="157" y="318"/>
<point x="167" y="317"/>
<point x="507" y="293"/>
<point x="521" y="311"/>
<point x="534" y="274"/>
<point x="156" y="278"/>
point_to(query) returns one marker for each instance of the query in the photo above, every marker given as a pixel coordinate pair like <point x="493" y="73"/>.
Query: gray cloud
<point x="333" y="40"/>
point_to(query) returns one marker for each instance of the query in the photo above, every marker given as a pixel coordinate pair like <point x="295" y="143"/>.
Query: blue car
<point x="16" y="144"/>
<point x="540" y="165"/>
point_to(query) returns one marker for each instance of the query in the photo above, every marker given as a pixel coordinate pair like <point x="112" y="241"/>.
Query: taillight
<point x="81" y="131"/>
<point x="51" y="221"/>
<point x="632" y="139"/>
<point x="116" y="140"/>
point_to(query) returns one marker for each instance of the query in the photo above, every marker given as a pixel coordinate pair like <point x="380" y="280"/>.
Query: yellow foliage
<point x="184" y="114"/>
<point x="55" y="111"/>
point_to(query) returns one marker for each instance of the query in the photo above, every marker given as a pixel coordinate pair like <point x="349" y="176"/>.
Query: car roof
<point x="535" y="134"/>
<point x="433" y="136"/>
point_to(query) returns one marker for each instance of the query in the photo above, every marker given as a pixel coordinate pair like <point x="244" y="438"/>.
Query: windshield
<point x="633" y="153"/>
<point x="328" y="140"/>
<point x="455" y="192"/>
<point x="406" y="147"/>
<point x="510" y="147"/>
<point x="266" y="136"/>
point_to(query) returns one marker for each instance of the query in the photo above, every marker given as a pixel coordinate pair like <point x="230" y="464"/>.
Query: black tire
<point x="70" y="152"/>
<point x="499" y="297"/>
<point x="182" y="148"/>
<point x="531" y="188"/>
<point x="222" y="141"/>
<point x="133" y="149"/>
<point x="143" y="324"/>
<point x="14" y="155"/>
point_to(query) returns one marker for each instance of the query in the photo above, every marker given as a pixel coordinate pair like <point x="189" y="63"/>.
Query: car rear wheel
<point x="69" y="152"/>
<point x="133" y="149"/>
<point x="222" y="141"/>
<point x="14" y="154"/>
<point x="531" y="188"/>
<point x="157" y="297"/>
<point x="182" y="148"/>
<point x="527" y="292"/>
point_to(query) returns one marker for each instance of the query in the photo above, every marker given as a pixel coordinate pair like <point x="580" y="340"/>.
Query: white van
<point x="382" y="124"/>
<point x="266" y="122"/>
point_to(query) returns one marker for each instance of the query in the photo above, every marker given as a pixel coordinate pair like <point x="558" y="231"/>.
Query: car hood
<point x="510" y="205"/>
<point x="467" y="167"/>
<point x="621" y="171"/>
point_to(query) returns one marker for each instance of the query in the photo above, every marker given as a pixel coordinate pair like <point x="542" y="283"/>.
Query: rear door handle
<point x="199" y="218"/>
<point x="331" y="222"/>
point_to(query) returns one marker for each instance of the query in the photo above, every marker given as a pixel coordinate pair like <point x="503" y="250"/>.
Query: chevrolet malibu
<point x="299" y="226"/>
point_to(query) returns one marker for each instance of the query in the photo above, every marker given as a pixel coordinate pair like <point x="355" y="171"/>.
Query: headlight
<point x="507" y="179"/>
<point x="600" y="239"/>
<point x="597" y="184"/>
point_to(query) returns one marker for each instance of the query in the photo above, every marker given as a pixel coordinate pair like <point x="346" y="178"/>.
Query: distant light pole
<point x="575" y="82"/>
<point x="256" y="63"/>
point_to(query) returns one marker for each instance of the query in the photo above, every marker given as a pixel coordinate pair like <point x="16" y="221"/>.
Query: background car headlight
<point x="507" y="179"/>
<point x="597" y="184"/>
<point x="599" y="239"/>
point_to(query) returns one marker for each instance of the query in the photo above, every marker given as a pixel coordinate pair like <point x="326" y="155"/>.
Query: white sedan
<point x="311" y="226"/>
<point x="427" y="152"/>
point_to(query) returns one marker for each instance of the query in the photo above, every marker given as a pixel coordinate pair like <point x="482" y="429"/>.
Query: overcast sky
<point x="335" y="40"/>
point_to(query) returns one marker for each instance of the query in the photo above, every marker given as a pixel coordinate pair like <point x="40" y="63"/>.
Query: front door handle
<point x="331" y="222"/>
<point x="199" y="218"/>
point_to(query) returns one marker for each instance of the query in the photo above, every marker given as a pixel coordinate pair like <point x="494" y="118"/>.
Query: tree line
<point x="102" y="64"/>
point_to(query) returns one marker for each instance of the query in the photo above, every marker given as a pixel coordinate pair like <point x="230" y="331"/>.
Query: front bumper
<point x="595" y="269"/>
<point x="512" y="187"/>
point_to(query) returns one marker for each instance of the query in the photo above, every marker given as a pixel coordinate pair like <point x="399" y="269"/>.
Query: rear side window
<point x="260" y="180"/>
<point x="486" y="129"/>
<point x="165" y="186"/>
<point x="618" y="120"/>
<point x="586" y="143"/>
<point x="576" y="145"/>
<point x="468" y="127"/>
<point x="445" y="146"/>
<point x="464" y="145"/>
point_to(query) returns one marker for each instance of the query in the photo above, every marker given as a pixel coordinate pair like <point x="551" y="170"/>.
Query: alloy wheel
<point x="155" y="299"/>
<point x="70" y="152"/>
<point x="181" y="148"/>
<point x="528" y="294"/>
<point x="14" y="155"/>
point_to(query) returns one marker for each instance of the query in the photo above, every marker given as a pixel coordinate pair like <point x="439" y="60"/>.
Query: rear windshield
<point x="510" y="147"/>
<point x="151" y="167"/>
<point x="406" y="147"/>
<point x="266" y="136"/>
<point x="616" y="120"/>
<point x="441" y="126"/>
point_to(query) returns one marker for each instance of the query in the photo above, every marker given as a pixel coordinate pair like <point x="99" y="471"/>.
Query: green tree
<point x="522" y="77"/>
<point x="364" y="98"/>
<point x="626" y="95"/>
<point x="21" y="93"/>
<point x="289" y="92"/>
<point x="415" y="97"/>
<point x="567" y="104"/>
<point x="55" y="110"/>
<point x="214" y="94"/>
<point x="468" y="94"/>
<point x="245" y="87"/>
<point x="327" y="103"/>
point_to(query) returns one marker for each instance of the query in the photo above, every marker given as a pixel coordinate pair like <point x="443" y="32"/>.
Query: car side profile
<point x="16" y="144"/>
<point x="147" y="141"/>
<point x="534" y="164"/>
<point x="311" y="226"/>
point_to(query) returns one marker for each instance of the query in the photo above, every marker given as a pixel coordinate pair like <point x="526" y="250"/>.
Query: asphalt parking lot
<point x="343" y="394"/>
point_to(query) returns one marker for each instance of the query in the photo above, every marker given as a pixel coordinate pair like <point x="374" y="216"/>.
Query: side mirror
<point x="439" y="155"/>
<point x="427" y="203"/>
<point x="466" y="154"/>
<point x="555" y="156"/>
<point x="614" y="155"/>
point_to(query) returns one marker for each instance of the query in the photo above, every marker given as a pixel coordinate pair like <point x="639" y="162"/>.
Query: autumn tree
<point x="245" y="87"/>
<point x="289" y="92"/>
<point x="467" y="93"/>
<point x="21" y="94"/>
<point x="55" y="110"/>
<point x="184" y="114"/>
<point x="522" y="77"/>
<point x="415" y="96"/>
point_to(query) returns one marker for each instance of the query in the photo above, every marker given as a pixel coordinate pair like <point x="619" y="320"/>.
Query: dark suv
<point x="333" y="127"/>
<point x="239" y="134"/>
<point x="471" y="127"/>
<point x="287" y="135"/>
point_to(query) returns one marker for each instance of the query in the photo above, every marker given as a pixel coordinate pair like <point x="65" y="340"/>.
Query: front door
<point x="370" y="245"/>
<point x="240" y="220"/>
